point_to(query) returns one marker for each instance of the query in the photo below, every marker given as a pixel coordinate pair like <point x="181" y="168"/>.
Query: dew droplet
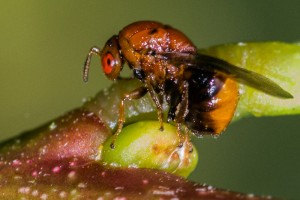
<point x="16" y="162"/>
<point x="72" y="164"/>
<point x="145" y="181"/>
<point x="72" y="175"/>
<point x="17" y="177"/>
<point x="44" y="196"/>
<point x="29" y="161"/>
<point x="73" y="192"/>
<point x="210" y="187"/>
<point x="105" y="92"/>
<point x="75" y="121"/>
<point x="24" y="190"/>
<point x="56" y="169"/>
<point x="62" y="194"/>
<point x="35" y="193"/>
<point x="119" y="188"/>
<point x="34" y="173"/>
<point x="84" y="99"/>
<point x="90" y="114"/>
<point x="52" y="126"/>
<point x="82" y="185"/>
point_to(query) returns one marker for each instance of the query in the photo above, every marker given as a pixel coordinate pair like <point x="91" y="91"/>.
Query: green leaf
<point x="276" y="60"/>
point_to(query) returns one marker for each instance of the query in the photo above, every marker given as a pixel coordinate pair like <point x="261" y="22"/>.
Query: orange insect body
<point x="141" y="38"/>
<point x="201" y="90"/>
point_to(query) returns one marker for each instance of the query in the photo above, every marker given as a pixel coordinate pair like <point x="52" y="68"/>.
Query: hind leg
<point x="181" y="112"/>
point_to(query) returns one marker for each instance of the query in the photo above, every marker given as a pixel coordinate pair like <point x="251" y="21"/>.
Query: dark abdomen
<point x="212" y="102"/>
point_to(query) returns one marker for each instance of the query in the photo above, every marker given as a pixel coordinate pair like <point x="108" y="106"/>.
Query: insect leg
<point x="135" y="94"/>
<point x="157" y="101"/>
<point x="188" y="139"/>
<point x="173" y="98"/>
<point x="182" y="111"/>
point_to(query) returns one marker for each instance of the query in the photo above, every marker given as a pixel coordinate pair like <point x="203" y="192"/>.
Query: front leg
<point x="135" y="94"/>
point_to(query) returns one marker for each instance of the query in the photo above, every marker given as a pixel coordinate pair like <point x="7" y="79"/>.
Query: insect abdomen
<point x="212" y="103"/>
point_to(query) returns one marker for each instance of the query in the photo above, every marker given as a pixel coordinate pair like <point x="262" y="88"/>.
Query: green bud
<point x="143" y="145"/>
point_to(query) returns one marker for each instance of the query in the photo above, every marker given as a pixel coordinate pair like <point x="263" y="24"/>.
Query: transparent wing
<point x="205" y="62"/>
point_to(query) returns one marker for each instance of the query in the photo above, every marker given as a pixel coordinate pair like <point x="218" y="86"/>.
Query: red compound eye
<point x="108" y="63"/>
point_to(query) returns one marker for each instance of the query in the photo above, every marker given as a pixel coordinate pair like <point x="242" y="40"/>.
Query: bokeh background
<point x="43" y="45"/>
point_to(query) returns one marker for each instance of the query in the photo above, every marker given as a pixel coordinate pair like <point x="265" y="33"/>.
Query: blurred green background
<point x="44" y="45"/>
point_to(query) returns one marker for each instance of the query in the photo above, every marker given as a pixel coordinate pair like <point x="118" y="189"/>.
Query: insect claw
<point x="180" y="145"/>
<point x="189" y="144"/>
<point x="161" y="128"/>
<point x="114" y="137"/>
<point x="112" y="145"/>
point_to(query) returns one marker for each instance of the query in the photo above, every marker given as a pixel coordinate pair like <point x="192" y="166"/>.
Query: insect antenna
<point x="93" y="51"/>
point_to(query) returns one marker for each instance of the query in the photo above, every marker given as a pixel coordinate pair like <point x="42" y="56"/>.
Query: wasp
<point x="200" y="90"/>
